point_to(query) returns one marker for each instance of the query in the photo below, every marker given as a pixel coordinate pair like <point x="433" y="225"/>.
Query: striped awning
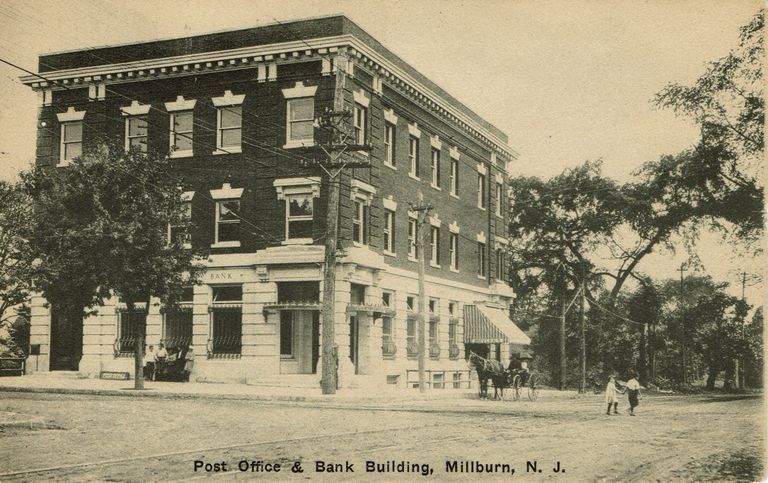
<point x="490" y="325"/>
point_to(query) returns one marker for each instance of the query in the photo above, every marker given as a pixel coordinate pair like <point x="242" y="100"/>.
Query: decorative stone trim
<point x="389" y="203"/>
<point x="71" y="115"/>
<point x="413" y="130"/>
<point x="499" y="178"/>
<point x="454" y="227"/>
<point x="500" y="240"/>
<point x="413" y="214"/>
<point x="226" y="192"/>
<point x="378" y="85"/>
<point x="228" y="99"/>
<point x="454" y="152"/>
<point x="435" y="142"/>
<point x="180" y="104"/>
<point x="187" y="196"/>
<point x="361" y="97"/>
<point x="481" y="168"/>
<point x="97" y="91"/>
<point x="481" y="237"/>
<point x="361" y="190"/>
<point x="390" y="116"/>
<point x="434" y="220"/>
<point x="299" y="90"/>
<point x="294" y="186"/>
<point x="136" y="109"/>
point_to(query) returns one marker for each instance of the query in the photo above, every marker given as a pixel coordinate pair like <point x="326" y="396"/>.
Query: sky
<point x="568" y="81"/>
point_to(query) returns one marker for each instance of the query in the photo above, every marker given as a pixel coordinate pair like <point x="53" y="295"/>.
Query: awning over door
<point x="490" y="325"/>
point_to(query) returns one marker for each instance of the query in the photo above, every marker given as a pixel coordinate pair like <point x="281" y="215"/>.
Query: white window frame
<point x="228" y="101"/>
<point x="289" y="218"/>
<point x="299" y="91"/>
<point x="499" y="198"/>
<point x="481" y="261"/>
<point x="70" y="117"/>
<point x="226" y="193"/>
<point x="413" y="157"/>
<point x="175" y="108"/>
<point x="413" y="233"/>
<point x="434" y="246"/>
<point x="499" y="263"/>
<point x="454" y="177"/>
<point x="135" y="111"/>
<point x="435" y="168"/>
<point x="389" y="231"/>
<point x="286" y="187"/>
<point x="360" y="123"/>
<point x="129" y="138"/>
<point x="361" y="217"/>
<point x="389" y="145"/>
<point x="361" y="192"/>
<point x="63" y="160"/>
<point x="454" y="248"/>
<point x="481" y="182"/>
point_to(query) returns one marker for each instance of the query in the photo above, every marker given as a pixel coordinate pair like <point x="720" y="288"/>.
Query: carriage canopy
<point x="485" y="324"/>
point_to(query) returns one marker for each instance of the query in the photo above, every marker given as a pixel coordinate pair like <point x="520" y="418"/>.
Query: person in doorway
<point x="189" y="362"/>
<point x="149" y="364"/>
<point x="612" y="396"/>
<point x="633" y="392"/>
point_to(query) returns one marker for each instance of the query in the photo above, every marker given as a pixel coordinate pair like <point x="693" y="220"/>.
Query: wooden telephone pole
<point x="338" y="149"/>
<point x="423" y="211"/>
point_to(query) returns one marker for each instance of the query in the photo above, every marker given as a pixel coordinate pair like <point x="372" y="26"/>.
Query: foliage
<point x="100" y="228"/>
<point x="726" y="102"/>
<point x="14" y="334"/>
<point x="15" y="208"/>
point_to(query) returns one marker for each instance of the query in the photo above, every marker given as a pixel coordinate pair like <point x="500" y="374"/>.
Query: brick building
<point x="236" y="110"/>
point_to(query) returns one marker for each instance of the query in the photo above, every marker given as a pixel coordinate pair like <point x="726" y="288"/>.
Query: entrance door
<point x="66" y="339"/>
<point x="354" y="342"/>
<point x="299" y="336"/>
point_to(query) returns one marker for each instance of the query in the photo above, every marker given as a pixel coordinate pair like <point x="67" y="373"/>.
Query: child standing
<point x="633" y="391"/>
<point x="611" y="396"/>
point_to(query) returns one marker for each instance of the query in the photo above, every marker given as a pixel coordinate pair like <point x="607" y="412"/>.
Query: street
<point x="122" y="438"/>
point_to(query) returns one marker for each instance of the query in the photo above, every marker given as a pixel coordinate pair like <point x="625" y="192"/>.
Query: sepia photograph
<point x="391" y="241"/>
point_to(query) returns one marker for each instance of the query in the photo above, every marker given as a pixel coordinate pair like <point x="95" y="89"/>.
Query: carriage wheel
<point x="533" y="388"/>
<point x="516" y="385"/>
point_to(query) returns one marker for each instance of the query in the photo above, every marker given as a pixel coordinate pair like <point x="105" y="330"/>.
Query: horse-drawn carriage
<point x="518" y="380"/>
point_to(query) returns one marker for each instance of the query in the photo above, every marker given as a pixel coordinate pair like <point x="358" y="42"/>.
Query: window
<point x="481" y="259"/>
<point x="389" y="144"/>
<point x="435" y="246"/>
<point x="435" y="166"/>
<point x="360" y="223"/>
<point x="386" y="299"/>
<point x="226" y="321"/>
<point x="434" y="341"/>
<point x="433" y="306"/>
<point x="356" y="294"/>
<point x="411" y="302"/>
<point x="71" y="141"/>
<point x="228" y="222"/>
<point x="481" y="190"/>
<point x="178" y="230"/>
<point x="499" y="198"/>
<point x="499" y="263"/>
<point x="413" y="234"/>
<point x="286" y="334"/>
<point x="454" y="176"/>
<point x="455" y="251"/>
<point x="360" y="119"/>
<point x="389" y="231"/>
<point x="452" y="309"/>
<point x="177" y="322"/>
<point x="413" y="156"/>
<point x="131" y="326"/>
<point x="301" y="119"/>
<point x="181" y="133"/>
<point x="229" y="128"/>
<point x="298" y="216"/>
<point x="136" y="133"/>
<point x="453" y="346"/>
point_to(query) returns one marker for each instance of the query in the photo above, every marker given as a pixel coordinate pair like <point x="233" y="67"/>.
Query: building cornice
<point x="265" y="58"/>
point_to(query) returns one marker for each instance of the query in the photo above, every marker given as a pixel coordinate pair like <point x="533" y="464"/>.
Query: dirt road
<point x="116" y="438"/>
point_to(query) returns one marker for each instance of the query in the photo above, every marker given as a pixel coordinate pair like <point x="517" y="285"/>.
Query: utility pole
<point x="583" y="386"/>
<point x="563" y="362"/>
<point x="682" y="324"/>
<point x="335" y="123"/>
<point x="423" y="211"/>
<point x="741" y="375"/>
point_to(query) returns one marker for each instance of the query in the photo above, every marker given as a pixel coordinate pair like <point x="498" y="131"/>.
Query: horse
<point x="489" y="369"/>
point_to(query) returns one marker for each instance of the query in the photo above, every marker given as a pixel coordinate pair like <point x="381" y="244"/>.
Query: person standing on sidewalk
<point x="149" y="364"/>
<point x="611" y="396"/>
<point x="633" y="391"/>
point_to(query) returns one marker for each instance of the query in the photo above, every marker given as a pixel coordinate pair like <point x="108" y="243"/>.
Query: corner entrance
<point x="66" y="339"/>
<point x="299" y="341"/>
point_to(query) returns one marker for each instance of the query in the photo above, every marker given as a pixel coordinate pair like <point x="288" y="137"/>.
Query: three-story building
<point x="237" y="110"/>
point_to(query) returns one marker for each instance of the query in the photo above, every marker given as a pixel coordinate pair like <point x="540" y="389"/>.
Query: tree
<point x="727" y="104"/>
<point x="15" y="208"/>
<point x="100" y="228"/>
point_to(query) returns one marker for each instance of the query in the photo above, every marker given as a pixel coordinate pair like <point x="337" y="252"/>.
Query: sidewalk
<point x="379" y="396"/>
